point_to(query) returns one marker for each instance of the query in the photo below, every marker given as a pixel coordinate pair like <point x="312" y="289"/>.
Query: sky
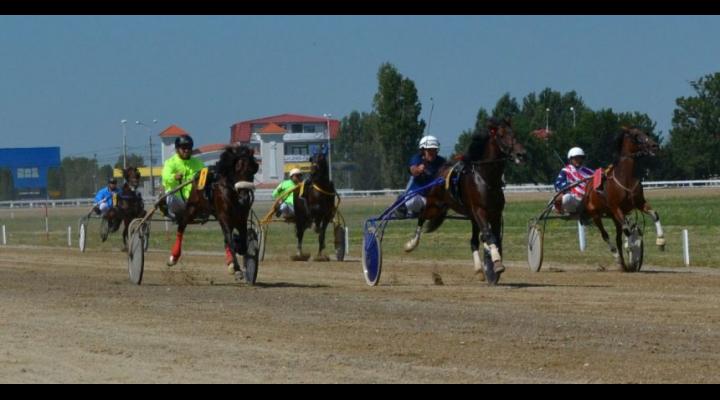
<point x="68" y="81"/>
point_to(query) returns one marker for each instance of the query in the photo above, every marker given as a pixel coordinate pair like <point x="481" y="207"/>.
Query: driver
<point x="178" y="169"/>
<point x="423" y="166"/>
<point x="573" y="172"/>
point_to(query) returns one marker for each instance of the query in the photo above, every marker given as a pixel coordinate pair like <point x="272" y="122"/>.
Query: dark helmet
<point x="184" y="140"/>
<point x="112" y="180"/>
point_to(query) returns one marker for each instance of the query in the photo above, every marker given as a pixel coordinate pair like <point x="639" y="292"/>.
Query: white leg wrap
<point x="494" y="252"/>
<point x="477" y="261"/>
<point x="660" y="241"/>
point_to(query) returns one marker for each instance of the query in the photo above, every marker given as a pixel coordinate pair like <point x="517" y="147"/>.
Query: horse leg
<point x="176" y="251"/>
<point x="660" y="241"/>
<point x="321" y="238"/>
<point x="475" y="247"/>
<point x="231" y="262"/>
<point x="300" y="233"/>
<point x="413" y="243"/>
<point x="619" y="228"/>
<point x="606" y="238"/>
<point x="489" y="240"/>
<point x="125" y="235"/>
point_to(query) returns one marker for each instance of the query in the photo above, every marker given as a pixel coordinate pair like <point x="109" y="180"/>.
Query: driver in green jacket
<point x="178" y="169"/>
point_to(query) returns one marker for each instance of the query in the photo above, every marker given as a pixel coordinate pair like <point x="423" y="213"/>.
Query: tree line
<point x="373" y="147"/>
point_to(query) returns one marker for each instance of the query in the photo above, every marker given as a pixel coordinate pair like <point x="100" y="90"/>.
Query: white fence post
<point x="69" y="236"/>
<point x="686" y="247"/>
<point x="4" y="237"/>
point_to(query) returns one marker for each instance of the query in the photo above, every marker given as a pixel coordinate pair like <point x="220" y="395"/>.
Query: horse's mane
<point x="226" y="165"/>
<point x="480" y="138"/>
<point x="619" y="138"/>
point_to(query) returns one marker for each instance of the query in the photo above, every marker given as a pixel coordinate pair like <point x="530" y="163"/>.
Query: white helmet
<point x="576" y="152"/>
<point x="429" y="142"/>
<point x="295" y="171"/>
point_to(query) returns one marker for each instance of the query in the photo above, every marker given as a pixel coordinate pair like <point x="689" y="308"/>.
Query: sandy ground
<point x="70" y="317"/>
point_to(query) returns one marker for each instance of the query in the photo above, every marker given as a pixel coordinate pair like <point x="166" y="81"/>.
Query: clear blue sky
<point x="68" y="81"/>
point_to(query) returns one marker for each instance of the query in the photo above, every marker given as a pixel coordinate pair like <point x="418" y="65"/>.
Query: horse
<point x="478" y="192"/>
<point x="315" y="204"/>
<point x="623" y="192"/>
<point x="229" y="199"/>
<point x="130" y="202"/>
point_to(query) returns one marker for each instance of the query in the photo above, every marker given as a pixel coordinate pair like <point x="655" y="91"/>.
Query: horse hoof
<point x="300" y="257"/>
<point x="480" y="274"/>
<point x="410" y="246"/>
<point x="239" y="276"/>
<point x="231" y="269"/>
<point x="172" y="261"/>
<point x="498" y="267"/>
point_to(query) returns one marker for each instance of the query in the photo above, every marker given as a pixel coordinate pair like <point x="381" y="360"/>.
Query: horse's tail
<point x="436" y="222"/>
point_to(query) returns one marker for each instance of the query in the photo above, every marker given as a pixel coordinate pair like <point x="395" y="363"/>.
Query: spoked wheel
<point x="634" y="250"/>
<point x="136" y="251"/>
<point x="104" y="229"/>
<point x="535" y="246"/>
<point x="263" y="242"/>
<point x="341" y="234"/>
<point x="372" y="258"/>
<point x="146" y="236"/>
<point x="82" y="234"/>
<point x="251" y="259"/>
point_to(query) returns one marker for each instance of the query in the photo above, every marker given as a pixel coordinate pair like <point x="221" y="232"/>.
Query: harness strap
<point x="625" y="188"/>
<point x="269" y="216"/>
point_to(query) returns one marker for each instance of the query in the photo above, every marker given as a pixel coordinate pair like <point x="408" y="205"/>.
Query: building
<point x="29" y="170"/>
<point x="283" y="142"/>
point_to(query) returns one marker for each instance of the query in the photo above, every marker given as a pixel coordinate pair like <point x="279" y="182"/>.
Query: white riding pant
<point x="104" y="207"/>
<point x="416" y="204"/>
<point x="175" y="204"/>
<point x="570" y="203"/>
<point x="286" y="210"/>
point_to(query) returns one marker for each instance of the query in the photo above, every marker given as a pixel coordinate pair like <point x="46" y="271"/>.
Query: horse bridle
<point x="504" y="151"/>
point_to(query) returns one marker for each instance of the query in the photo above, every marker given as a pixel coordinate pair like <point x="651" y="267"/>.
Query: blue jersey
<point x="431" y="171"/>
<point x="105" y="195"/>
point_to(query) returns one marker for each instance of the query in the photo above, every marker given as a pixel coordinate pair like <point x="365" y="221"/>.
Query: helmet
<point x="429" y="142"/>
<point x="295" y="171"/>
<point x="184" y="141"/>
<point x="112" y="180"/>
<point x="576" y="152"/>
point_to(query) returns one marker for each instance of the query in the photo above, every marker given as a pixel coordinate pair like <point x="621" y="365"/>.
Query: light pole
<point x="573" y="111"/>
<point x="547" y="120"/>
<point x="123" y="123"/>
<point x="327" y="116"/>
<point x="150" y="162"/>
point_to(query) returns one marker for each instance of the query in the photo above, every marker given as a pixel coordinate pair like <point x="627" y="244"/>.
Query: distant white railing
<point x="266" y="194"/>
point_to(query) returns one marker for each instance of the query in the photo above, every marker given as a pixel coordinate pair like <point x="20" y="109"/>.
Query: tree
<point x="356" y="151"/>
<point x="133" y="160"/>
<point x="399" y="130"/>
<point x="81" y="177"/>
<point x="695" y="136"/>
<point x="464" y="139"/>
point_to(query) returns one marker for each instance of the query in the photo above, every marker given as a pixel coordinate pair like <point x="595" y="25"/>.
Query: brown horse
<point x="130" y="202"/>
<point x="479" y="194"/>
<point x="623" y="192"/>
<point x="315" y="205"/>
<point x="229" y="198"/>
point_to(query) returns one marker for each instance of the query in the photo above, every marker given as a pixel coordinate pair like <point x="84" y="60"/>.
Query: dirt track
<point x="66" y="317"/>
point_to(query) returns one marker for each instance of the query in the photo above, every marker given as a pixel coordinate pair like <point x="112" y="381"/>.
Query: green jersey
<point x="282" y="188"/>
<point x="176" y="165"/>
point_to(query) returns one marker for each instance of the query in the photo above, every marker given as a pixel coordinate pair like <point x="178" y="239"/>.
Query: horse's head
<point x="502" y="134"/>
<point x="238" y="166"/>
<point x="132" y="177"/>
<point x="319" y="169"/>
<point x="633" y="142"/>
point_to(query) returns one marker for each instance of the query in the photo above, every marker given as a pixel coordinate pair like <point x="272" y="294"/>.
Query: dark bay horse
<point x="130" y="202"/>
<point x="623" y="191"/>
<point x="229" y="197"/>
<point x="479" y="195"/>
<point x="315" y="205"/>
